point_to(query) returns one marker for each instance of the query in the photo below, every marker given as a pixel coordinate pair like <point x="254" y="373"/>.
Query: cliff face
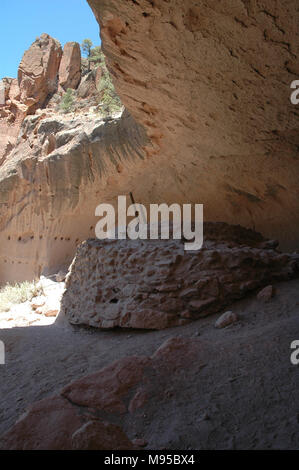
<point x="210" y="82"/>
<point x="38" y="72"/>
<point x="37" y="81"/>
<point x="208" y="89"/>
<point x="56" y="168"/>
<point x="59" y="172"/>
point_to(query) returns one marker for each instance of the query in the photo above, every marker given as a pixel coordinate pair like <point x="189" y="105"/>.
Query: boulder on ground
<point x="226" y="319"/>
<point x="266" y="294"/>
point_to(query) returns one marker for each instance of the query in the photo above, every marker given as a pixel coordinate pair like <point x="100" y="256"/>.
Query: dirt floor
<point x="244" y="395"/>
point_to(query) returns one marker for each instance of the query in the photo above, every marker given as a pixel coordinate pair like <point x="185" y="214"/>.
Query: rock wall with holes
<point x="58" y="173"/>
<point x="208" y="90"/>
<point x="210" y="82"/>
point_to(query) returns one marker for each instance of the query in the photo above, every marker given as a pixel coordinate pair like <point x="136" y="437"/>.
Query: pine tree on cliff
<point x="86" y="47"/>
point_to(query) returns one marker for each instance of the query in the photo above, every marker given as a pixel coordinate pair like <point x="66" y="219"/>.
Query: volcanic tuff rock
<point x="56" y="169"/>
<point x="210" y="82"/>
<point x="37" y="82"/>
<point x="38" y="71"/>
<point x="211" y="87"/>
<point x="61" y="169"/>
<point x="89" y="83"/>
<point x="154" y="284"/>
<point x="12" y="113"/>
<point x="70" y="66"/>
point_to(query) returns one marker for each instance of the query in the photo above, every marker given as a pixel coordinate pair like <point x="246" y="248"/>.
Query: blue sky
<point x="24" y="20"/>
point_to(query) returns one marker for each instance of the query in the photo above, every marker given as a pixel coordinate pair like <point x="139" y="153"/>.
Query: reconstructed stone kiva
<point x="155" y="284"/>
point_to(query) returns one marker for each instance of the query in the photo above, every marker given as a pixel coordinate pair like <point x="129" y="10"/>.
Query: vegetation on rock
<point x="109" y="100"/>
<point x="67" y="102"/>
<point x="16" y="294"/>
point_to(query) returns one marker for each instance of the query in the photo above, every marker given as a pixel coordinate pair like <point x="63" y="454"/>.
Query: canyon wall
<point x="210" y="82"/>
<point x="52" y="182"/>
<point x="207" y="86"/>
<point x="56" y="168"/>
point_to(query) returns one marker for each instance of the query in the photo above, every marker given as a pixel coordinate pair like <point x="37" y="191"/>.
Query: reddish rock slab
<point x="106" y="390"/>
<point x="97" y="435"/>
<point x="70" y="66"/>
<point x="47" y="425"/>
<point x="77" y="419"/>
<point x="38" y="71"/>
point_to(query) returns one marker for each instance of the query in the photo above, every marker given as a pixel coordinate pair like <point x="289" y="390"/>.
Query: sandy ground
<point x="245" y="397"/>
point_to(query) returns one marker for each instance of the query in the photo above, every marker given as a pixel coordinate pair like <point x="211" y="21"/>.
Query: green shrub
<point x="97" y="56"/>
<point x="109" y="100"/>
<point x="17" y="294"/>
<point x="67" y="102"/>
<point x="86" y="47"/>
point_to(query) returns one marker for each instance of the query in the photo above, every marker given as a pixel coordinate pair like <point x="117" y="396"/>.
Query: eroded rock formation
<point x="210" y="85"/>
<point x="58" y="173"/>
<point x="89" y="83"/>
<point x="70" y="66"/>
<point x="56" y="169"/>
<point x="12" y="113"/>
<point x="38" y="72"/>
<point x="43" y="69"/>
<point x="210" y="82"/>
<point x="154" y="284"/>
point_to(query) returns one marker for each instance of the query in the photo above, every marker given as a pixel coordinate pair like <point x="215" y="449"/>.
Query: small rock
<point x="38" y="302"/>
<point x="226" y="319"/>
<point x="266" y="294"/>
<point x="51" y="313"/>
